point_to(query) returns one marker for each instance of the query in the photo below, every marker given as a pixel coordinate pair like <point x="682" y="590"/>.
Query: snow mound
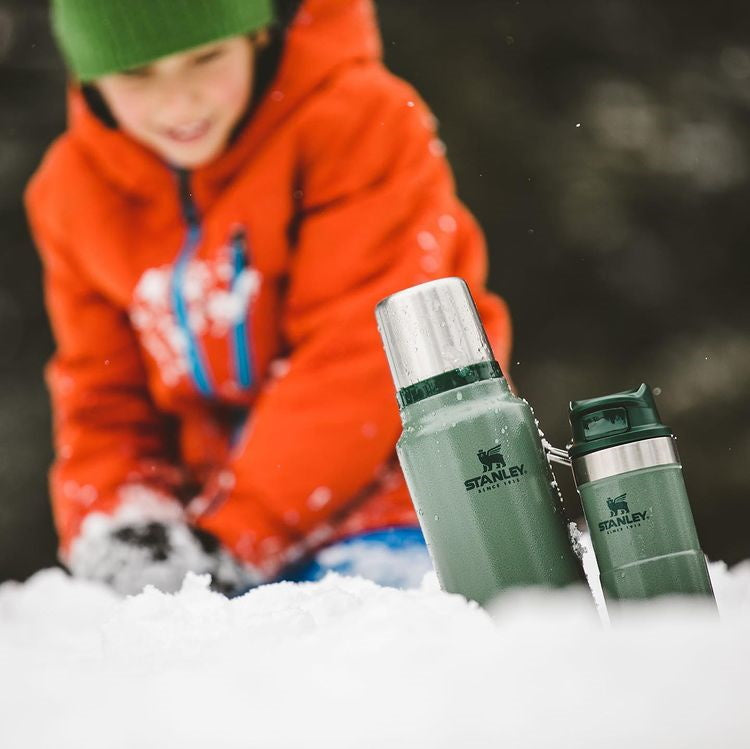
<point x="346" y="663"/>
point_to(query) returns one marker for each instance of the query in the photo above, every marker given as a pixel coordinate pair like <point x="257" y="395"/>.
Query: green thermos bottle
<point x="629" y="477"/>
<point x="470" y="450"/>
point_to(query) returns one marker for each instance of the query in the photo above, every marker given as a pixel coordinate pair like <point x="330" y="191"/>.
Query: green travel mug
<point x="629" y="477"/>
<point x="470" y="450"/>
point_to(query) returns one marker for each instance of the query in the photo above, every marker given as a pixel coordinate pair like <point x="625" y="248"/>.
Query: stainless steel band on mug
<point x="633" y="456"/>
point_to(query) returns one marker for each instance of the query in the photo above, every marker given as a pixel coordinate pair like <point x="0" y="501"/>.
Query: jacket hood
<point x="323" y="36"/>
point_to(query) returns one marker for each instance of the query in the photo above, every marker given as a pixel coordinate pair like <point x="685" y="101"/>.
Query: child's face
<point x="184" y="106"/>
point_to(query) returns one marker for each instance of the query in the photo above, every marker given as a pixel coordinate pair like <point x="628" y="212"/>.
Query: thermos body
<point x="482" y="487"/>
<point x="470" y="449"/>
<point x="641" y="526"/>
<point x="629" y="477"/>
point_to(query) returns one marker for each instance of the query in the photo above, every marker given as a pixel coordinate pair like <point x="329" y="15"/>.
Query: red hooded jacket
<point x="216" y="329"/>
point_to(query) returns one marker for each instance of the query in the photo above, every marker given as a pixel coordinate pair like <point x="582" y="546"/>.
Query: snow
<point x="448" y="223"/>
<point x="216" y="299"/>
<point x="346" y="663"/>
<point x="319" y="498"/>
<point x="405" y="569"/>
<point x="128" y="567"/>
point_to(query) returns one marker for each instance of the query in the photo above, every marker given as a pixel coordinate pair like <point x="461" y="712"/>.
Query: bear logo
<point x="490" y="458"/>
<point x="617" y="505"/>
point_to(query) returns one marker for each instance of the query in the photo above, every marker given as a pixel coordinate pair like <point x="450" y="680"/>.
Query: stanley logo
<point x="620" y="516"/>
<point x="495" y="471"/>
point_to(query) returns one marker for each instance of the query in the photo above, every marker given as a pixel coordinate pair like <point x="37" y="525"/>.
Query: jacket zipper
<point x="240" y="349"/>
<point x="198" y="368"/>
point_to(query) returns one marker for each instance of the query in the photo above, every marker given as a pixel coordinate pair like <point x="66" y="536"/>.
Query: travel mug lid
<point x="617" y="419"/>
<point x="431" y="329"/>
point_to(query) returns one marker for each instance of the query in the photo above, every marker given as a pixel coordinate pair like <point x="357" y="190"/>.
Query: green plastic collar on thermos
<point x="617" y="419"/>
<point x="455" y="378"/>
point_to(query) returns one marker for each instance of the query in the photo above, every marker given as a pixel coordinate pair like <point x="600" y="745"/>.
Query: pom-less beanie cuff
<point x="98" y="37"/>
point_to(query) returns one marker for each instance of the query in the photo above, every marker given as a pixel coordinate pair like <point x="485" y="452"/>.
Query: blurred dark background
<point x="604" y="147"/>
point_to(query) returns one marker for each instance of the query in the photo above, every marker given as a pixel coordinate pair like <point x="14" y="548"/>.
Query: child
<point x="239" y="185"/>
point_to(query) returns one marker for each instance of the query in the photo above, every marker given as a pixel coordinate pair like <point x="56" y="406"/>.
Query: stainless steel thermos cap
<point x="430" y="329"/>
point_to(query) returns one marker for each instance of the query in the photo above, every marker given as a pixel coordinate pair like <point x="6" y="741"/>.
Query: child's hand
<point x="161" y="553"/>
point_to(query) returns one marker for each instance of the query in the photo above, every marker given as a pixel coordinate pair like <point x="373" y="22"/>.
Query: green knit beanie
<point x="98" y="37"/>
